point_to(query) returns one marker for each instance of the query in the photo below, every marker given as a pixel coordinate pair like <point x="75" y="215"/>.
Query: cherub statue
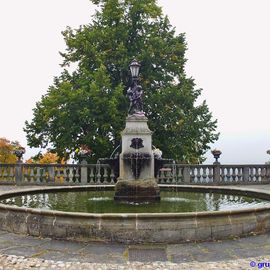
<point x="134" y="94"/>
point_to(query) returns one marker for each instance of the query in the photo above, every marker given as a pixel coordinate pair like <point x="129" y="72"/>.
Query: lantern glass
<point x="134" y="68"/>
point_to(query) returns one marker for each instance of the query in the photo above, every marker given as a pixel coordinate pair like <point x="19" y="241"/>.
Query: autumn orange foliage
<point x="47" y="158"/>
<point x="6" y="151"/>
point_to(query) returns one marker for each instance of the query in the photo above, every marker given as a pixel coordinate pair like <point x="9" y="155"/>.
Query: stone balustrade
<point x="56" y="174"/>
<point x="215" y="174"/>
<point x="103" y="174"/>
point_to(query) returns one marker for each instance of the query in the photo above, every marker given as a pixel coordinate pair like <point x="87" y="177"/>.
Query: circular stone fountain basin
<point x="89" y="213"/>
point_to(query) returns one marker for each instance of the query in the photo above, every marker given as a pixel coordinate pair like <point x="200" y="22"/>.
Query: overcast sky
<point x="228" y="56"/>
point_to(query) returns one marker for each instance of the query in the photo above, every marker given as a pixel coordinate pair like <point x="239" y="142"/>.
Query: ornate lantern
<point x="134" y="68"/>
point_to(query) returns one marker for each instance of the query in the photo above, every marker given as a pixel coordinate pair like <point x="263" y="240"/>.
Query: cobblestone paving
<point x="26" y="252"/>
<point x="11" y="262"/>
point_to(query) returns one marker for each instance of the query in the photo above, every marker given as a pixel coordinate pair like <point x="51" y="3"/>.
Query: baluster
<point x="26" y="174"/>
<point x="70" y="175"/>
<point x="32" y="175"/>
<point x="158" y="177"/>
<point x="257" y="174"/>
<point x="57" y="174"/>
<point x="61" y="174"/>
<point x="38" y="175"/>
<point x="166" y="177"/>
<point x="51" y="173"/>
<point x="204" y="175"/>
<point x="92" y="175"/>
<point x="12" y="173"/>
<point x="45" y="174"/>
<point x="105" y="176"/>
<point x="22" y="174"/>
<point x="192" y="175"/>
<point x="1" y="173"/>
<point x="239" y="174"/>
<point x="173" y="174"/>
<point x="77" y="175"/>
<point x="112" y="176"/>
<point x="228" y="175"/>
<point x="222" y="174"/>
<point x="233" y="174"/>
<point x="169" y="176"/>
<point x="98" y="175"/>
<point x="263" y="174"/>
<point x="5" y="173"/>
<point x="179" y="174"/>
<point x="65" y="175"/>
<point x="245" y="174"/>
<point x="162" y="177"/>
<point x="251" y="174"/>
<point x="165" y="180"/>
<point x="198" y="175"/>
<point x="42" y="174"/>
<point x="210" y="174"/>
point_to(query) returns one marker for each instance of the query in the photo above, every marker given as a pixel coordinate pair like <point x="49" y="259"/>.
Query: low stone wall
<point x="104" y="174"/>
<point x="136" y="228"/>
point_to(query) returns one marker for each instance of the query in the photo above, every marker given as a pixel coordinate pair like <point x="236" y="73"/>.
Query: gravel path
<point x="12" y="262"/>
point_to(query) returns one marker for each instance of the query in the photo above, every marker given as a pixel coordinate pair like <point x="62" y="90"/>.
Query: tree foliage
<point x="46" y="158"/>
<point x="88" y="106"/>
<point x="7" y="148"/>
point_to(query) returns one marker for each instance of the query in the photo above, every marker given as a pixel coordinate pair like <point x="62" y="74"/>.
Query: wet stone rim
<point x="136" y="228"/>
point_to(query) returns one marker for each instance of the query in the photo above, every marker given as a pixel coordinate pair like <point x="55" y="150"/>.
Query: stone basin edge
<point x="197" y="188"/>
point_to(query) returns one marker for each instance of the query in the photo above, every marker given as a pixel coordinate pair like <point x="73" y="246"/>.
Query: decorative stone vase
<point x="19" y="153"/>
<point x="216" y="153"/>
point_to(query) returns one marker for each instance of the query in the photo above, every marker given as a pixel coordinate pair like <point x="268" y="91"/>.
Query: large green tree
<point x="88" y="106"/>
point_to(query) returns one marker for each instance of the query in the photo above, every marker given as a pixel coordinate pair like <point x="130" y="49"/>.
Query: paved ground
<point x="26" y="252"/>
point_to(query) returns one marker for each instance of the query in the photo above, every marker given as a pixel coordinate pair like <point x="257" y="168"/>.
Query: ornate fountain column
<point x="136" y="159"/>
<point x="136" y="180"/>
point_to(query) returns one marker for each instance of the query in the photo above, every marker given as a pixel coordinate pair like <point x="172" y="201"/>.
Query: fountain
<point x="136" y="209"/>
<point x="136" y="182"/>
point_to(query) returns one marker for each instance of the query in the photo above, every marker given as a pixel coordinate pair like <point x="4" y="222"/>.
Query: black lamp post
<point x="135" y="91"/>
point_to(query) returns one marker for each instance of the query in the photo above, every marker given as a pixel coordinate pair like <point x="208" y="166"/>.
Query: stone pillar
<point x="245" y="173"/>
<point x="267" y="174"/>
<point x="186" y="175"/>
<point x="18" y="172"/>
<point x="136" y="180"/>
<point x="51" y="173"/>
<point x="136" y="128"/>
<point x="216" y="177"/>
<point x="84" y="172"/>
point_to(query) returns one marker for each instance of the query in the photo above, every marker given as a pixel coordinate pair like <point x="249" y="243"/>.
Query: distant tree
<point x="88" y="106"/>
<point x="46" y="158"/>
<point x="7" y="148"/>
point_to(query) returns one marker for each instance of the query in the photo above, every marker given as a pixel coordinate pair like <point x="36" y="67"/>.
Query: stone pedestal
<point x="136" y="180"/>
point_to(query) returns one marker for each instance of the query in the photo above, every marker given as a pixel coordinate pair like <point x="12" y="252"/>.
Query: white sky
<point x="228" y="55"/>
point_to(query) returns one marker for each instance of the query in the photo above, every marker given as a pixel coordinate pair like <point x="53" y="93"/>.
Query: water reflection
<point x="102" y="202"/>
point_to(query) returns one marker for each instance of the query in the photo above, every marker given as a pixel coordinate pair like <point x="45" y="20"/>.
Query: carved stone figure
<point x="135" y="93"/>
